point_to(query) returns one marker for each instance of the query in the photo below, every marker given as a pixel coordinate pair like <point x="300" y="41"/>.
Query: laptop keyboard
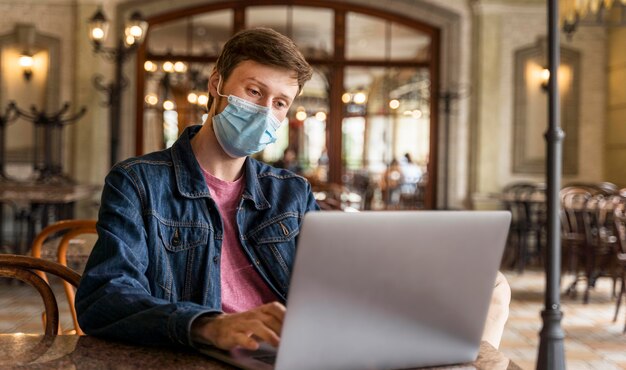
<point x="268" y="359"/>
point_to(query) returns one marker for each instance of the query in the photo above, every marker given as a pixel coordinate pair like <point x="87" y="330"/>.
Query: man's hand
<point x="245" y="329"/>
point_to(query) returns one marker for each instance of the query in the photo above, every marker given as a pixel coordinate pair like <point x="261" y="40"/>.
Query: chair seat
<point x="77" y="253"/>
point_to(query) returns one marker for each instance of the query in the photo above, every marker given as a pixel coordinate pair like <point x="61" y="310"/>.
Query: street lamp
<point x="134" y="34"/>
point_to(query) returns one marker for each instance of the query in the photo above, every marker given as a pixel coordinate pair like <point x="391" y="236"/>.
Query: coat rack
<point x="10" y="115"/>
<point x="49" y="132"/>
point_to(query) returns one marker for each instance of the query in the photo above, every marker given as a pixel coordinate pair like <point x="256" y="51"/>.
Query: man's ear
<point x="214" y="81"/>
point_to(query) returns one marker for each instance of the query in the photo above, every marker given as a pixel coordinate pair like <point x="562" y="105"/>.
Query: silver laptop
<point x="386" y="290"/>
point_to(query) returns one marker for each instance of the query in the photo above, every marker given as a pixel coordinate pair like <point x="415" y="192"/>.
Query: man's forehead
<point x="249" y="69"/>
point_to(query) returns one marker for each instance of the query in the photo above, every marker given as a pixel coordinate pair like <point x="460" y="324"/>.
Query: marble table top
<point x="25" y="351"/>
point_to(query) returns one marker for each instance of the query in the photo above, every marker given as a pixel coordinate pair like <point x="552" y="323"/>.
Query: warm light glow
<point x="415" y="113"/>
<point x="203" y="99"/>
<point x="149" y="66"/>
<point x="97" y="34"/>
<point x="346" y="97"/>
<point x="26" y="61"/>
<point x="571" y="11"/>
<point x="320" y="116"/>
<point x="98" y="27"/>
<point x="168" y="105"/>
<point x="192" y="98"/>
<point x="394" y="104"/>
<point x="136" y="32"/>
<point x="180" y="67"/>
<point x="360" y="98"/>
<point x="168" y="67"/>
<point x="151" y="99"/>
<point x="130" y="40"/>
<point x="545" y="75"/>
<point x="301" y="115"/>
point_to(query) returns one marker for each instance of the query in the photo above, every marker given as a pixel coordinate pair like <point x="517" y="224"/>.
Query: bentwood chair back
<point x="526" y="202"/>
<point x="573" y="204"/>
<point x="598" y="253"/>
<point x="25" y="268"/>
<point x="620" y="231"/>
<point x="71" y="230"/>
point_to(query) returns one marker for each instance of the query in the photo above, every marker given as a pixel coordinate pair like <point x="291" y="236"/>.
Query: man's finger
<point x="259" y="329"/>
<point x="245" y="341"/>
<point x="275" y="309"/>
<point x="272" y="322"/>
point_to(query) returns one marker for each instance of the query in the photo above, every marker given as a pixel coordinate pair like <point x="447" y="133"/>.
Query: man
<point x="289" y="161"/>
<point x="196" y="242"/>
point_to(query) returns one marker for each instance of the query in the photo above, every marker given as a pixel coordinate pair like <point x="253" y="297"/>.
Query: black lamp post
<point x="134" y="33"/>
<point x="551" y="349"/>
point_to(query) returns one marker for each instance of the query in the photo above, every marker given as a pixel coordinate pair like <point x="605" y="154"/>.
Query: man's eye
<point x="254" y="92"/>
<point x="280" y="104"/>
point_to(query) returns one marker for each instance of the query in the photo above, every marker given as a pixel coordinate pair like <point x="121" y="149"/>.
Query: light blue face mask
<point x="244" y="128"/>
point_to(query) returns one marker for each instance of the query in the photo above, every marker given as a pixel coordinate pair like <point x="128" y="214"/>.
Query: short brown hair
<point x="264" y="46"/>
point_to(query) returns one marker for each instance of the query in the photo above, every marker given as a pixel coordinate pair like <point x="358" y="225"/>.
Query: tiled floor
<point x="592" y="341"/>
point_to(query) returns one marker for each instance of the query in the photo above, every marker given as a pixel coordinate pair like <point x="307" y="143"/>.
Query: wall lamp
<point x="545" y="78"/>
<point x="26" y="63"/>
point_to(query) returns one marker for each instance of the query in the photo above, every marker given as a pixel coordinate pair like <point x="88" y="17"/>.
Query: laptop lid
<point x="389" y="290"/>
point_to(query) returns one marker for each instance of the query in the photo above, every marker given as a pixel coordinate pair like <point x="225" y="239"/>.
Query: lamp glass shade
<point x="98" y="28"/>
<point x="26" y="61"/>
<point x="135" y="28"/>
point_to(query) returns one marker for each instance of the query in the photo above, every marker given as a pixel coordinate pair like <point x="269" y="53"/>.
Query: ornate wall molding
<point x="530" y="115"/>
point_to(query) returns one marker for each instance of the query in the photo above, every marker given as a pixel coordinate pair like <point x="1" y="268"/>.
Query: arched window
<point x="367" y="108"/>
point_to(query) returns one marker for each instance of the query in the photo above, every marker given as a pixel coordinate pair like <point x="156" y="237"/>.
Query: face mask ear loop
<point x="219" y="85"/>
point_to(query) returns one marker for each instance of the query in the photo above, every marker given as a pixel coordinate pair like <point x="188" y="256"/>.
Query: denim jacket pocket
<point x="180" y="241"/>
<point x="275" y="243"/>
<point x="179" y="236"/>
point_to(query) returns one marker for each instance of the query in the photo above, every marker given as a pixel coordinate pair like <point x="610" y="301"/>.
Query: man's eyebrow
<point x="253" y="79"/>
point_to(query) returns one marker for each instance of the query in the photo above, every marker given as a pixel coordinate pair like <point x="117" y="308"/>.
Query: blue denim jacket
<point x="156" y="264"/>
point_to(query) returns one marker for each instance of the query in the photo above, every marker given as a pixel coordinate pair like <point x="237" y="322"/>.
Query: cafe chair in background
<point x="620" y="231"/>
<point x="604" y="188"/>
<point x="62" y="234"/>
<point x="588" y="235"/>
<point x="599" y="254"/>
<point x="26" y="268"/>
<point x="526" y="202"/>
<point x="573" y="202"/>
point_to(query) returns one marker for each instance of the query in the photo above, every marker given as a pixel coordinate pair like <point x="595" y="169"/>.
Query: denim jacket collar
<point x="191" y="182"/>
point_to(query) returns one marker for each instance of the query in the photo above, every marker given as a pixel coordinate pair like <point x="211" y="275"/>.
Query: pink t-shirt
<point x="242" y="286"/>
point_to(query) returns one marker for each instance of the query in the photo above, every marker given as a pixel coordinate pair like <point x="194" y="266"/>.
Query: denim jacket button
<point x="216" y="259"/>
<point x="176" y="241"/>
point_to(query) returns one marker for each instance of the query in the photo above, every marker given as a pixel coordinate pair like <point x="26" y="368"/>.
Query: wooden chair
<point x="620" y="230"/>
<point x="526" y="202"/>
<point x="573" y="202"/>
<point x="516" y="239"/>
<point x="596" y="253"/>
<point x="604" y="188"/>
<point x="24" y="268"/>
<point x="71" y="229"/>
